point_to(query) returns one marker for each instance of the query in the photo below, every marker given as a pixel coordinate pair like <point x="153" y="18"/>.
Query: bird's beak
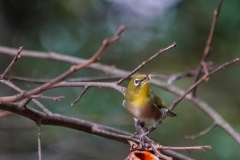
<point x="150" y="76"/>
<point x="147" y="78"/>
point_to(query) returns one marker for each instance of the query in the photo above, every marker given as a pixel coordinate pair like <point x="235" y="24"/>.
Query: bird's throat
<point x="141" y="98"/>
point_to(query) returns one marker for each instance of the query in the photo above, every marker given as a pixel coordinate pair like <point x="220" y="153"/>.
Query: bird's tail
<point x="170" y="113"/>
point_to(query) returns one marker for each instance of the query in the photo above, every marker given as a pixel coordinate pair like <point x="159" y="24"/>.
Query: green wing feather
<point x="158" y="102"/>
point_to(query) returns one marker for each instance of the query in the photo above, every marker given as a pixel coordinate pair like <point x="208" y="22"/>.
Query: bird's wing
<point x="158" y="102"/>
<point x="161" y="105"/>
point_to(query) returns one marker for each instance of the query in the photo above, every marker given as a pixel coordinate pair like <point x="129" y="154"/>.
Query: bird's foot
<point x="141" y="123"/>
<point x="144" y="134"/>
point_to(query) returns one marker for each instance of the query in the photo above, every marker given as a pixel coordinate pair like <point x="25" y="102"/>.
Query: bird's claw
<point x="144" y="134"/>
<point x="141" y="123"/>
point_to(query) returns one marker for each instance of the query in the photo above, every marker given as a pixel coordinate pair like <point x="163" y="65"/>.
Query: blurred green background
<point x="77" y="28"/>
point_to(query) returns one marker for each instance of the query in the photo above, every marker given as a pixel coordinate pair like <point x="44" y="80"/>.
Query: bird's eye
<point x="136" y="82"/>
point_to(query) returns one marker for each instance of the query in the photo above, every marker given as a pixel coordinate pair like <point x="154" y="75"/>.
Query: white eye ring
<point x="136" y="82"/>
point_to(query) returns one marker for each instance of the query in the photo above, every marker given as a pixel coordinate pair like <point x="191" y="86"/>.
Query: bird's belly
<point x="146" y="113"/>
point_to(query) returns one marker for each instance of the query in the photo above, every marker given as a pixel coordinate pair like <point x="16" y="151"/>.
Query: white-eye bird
<point x="143" y="104"/>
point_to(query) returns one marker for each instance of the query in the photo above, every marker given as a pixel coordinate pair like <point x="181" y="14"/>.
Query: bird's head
<point x="138" y="85"/>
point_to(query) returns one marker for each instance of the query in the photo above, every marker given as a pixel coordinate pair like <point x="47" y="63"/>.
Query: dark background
<point x="77" y="28"/>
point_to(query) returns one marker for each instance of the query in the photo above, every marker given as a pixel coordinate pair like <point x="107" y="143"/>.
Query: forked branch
<point x="145" y="62"/>
<point x="64" y="75"/>
<point x="208" y="46"/>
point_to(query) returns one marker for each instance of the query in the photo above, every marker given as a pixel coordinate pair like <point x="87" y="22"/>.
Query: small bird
<point x="143" y="104"/>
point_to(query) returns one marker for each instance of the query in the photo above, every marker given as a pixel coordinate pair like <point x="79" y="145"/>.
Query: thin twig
<point x="39" y="142"/>
<point x="208" y="46"/>
<point x="205" y="69"/>
<point x="202" y="132"/>
<point x="37" y="103"/>
<point x="80" y="95"/>
<point x="41" y="81"/>
<point x="48" y="97"/>
<point x="91" y="84"/>
<point x="236" y="60"/>
<point x="110" y="70"/>
<point x="184" y="148"/>
<point x="24" y="102"/>
<point x="158" y="154"/>
<point x="147" y="61"/>
<point x="12" y="63"/>
<point x="42" y="107"/>
<point x="176" y="76"/>
<point x="64" y="75"/>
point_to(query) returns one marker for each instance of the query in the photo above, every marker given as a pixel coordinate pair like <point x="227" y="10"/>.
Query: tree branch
<point x="220" y="121"/>
<point x="236" y="60"/>
<point x="78" y="124"/>
<point x="59" y="120"/>
<point x="208" y="46"/>
<point x="65" y="58"/>
<point x="80" y="95"/>
<point x="145" y="62"/>
<point x="202" y="105"/>
<point x="47" y="97"/>
<point x="184" y="148"/>
<point x="12" y="63"/>
<point x="92" y="84"/>
<point x="39" y="142"/>
<point x="64" y="75"/>
<point x="37" y="103"/>
<point x="202" y="132"/>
